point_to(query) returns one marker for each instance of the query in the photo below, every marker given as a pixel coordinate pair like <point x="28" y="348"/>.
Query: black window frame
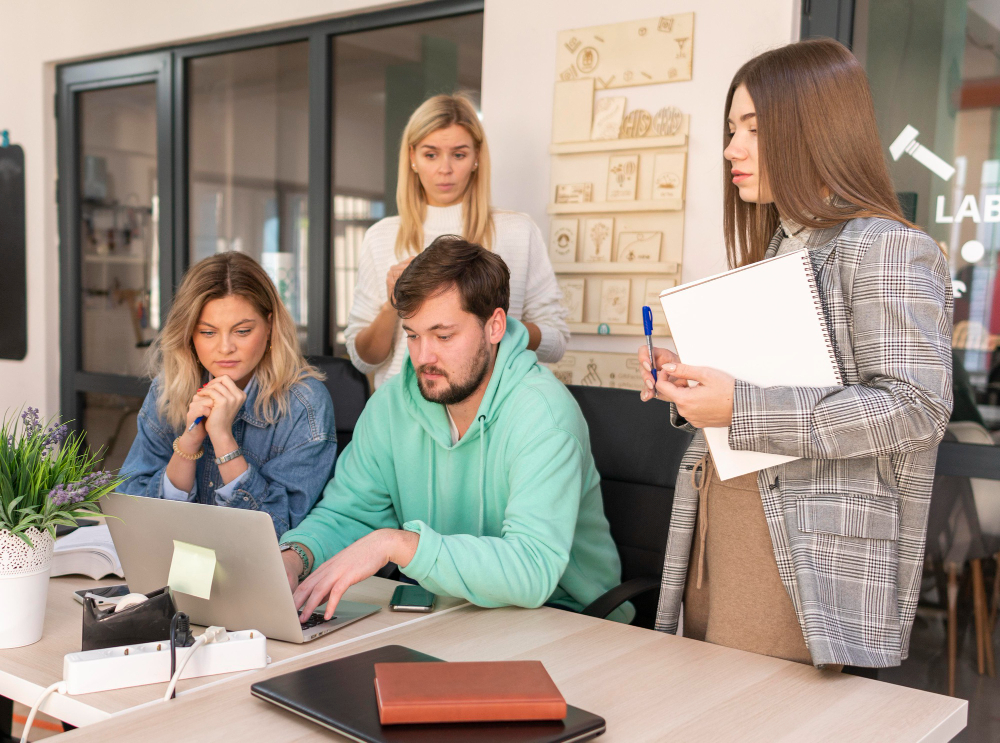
<point x="167" y="67"/>
<point x="832" y="19"/>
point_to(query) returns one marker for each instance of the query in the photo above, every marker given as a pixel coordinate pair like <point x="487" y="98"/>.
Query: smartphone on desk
<point x="411" y="598"/>
<point x="103" y="596"/>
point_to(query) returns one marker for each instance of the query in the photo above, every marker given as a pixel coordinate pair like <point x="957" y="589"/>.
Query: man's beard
<point x="447" y="392"/>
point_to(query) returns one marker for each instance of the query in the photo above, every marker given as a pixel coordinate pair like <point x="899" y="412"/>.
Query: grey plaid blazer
<point x="848" y="520"/>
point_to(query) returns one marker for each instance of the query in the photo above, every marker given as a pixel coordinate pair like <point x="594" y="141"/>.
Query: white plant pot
<point x="24" y="587"/>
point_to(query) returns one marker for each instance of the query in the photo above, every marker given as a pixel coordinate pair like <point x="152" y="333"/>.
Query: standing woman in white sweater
<point x="444" y="188"/>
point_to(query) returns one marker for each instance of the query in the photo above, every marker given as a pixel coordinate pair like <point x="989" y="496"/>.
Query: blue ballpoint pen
<point x="647" y="328"/>
<point x="201" y="418"/>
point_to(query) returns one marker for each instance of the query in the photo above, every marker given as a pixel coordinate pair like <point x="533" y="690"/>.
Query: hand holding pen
<point x="200" y="408"/>
<point x="652" y="358"/>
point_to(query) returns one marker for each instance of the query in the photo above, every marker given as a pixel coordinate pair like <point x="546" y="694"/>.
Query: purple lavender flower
<point x="100" y="479"/>
<point x="53" y="437"/>
<point x="62" y="495"/>
<point x="31" y="422"/>
<point x="76" y="492"/>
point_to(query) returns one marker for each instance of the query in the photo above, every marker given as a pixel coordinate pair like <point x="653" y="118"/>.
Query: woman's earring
<point x="414" y="166"/>
<point x="476" y="166"/>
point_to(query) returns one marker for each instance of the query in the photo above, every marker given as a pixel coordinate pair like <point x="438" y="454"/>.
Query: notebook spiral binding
<point x="814" y="290"/>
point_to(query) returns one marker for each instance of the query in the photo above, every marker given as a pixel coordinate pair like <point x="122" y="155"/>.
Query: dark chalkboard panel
<point x="13" y="279"/>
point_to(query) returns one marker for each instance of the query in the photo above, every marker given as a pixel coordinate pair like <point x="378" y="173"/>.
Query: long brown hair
<point x="816" y="135"/>
<point x="173" y="356"/>
<point x="441" y="112"/>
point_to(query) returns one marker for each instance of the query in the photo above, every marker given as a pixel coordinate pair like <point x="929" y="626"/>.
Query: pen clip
<point x="647" y="320"/>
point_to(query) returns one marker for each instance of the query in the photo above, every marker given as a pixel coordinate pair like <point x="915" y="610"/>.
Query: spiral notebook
<point x="761" y="323"/>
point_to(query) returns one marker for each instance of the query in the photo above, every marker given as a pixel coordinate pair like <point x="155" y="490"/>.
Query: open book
<point x="86" y="551"/>
<point x="761" y="323"/>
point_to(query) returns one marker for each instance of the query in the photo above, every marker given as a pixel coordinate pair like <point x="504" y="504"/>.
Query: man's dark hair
<point x="481" y="277"/>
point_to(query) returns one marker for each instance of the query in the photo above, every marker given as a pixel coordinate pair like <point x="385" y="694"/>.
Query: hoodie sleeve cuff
<point x="427" y="551"/>
<point x="309" y="542"/>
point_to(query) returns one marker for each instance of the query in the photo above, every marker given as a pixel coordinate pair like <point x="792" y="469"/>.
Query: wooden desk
<point x="647" y="685"/>
<point x="26" y="671"/>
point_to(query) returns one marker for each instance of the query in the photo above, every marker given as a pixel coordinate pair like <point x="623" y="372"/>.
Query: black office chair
<point x="350" y="391"/>
<point x="637" y="453"/>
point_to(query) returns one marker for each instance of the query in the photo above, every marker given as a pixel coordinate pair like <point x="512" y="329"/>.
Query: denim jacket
<point x="288" y="463"/>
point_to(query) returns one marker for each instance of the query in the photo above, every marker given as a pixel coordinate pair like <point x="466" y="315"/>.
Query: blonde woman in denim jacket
<point x="235" y="416"/>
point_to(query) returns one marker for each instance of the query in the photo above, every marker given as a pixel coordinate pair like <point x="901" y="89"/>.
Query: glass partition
<point x="379" y="79"/>
<point x="248" y="129"/>
<point x="119" y="250"/>
<point x="935" y="79"/>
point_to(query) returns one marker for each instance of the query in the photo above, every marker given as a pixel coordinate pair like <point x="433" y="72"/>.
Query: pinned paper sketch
<point x="562" y="242"/>
<point x="639" y="247"/>
<point x="574" y="193"/>
<point x="640" y="52"/>
<point x="623" y="171"/>
<point x="572" y="298"/>
<point x="608" y="115"/>
<point x="597" y="236"/>
<point x="668" y="175"/>
<point x="614" y="300"/>
<point x="907" y="142"/>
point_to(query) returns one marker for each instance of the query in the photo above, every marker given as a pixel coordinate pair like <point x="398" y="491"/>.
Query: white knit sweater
<point x="534" y="293"/>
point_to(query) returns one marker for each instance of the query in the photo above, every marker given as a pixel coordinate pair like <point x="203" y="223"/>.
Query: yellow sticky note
<point x="192" y="570"/>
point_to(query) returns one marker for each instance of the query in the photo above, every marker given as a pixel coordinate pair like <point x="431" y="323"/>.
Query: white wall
<point x="518" y="73"/>
<point x="519" y="49"/>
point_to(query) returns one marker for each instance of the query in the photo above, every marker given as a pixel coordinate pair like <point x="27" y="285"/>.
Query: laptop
<point x="340" y="696"/>
<point x="250" y="589"/>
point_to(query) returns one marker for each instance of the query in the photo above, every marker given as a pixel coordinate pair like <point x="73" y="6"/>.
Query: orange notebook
<point x="466" y="692"/>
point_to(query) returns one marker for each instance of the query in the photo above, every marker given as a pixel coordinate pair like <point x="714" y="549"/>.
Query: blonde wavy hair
<point x="441" y="112"/>
<point x="174" y="360"/>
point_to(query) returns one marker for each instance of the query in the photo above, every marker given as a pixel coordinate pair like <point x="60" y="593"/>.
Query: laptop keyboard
<point x="316" y="618"/>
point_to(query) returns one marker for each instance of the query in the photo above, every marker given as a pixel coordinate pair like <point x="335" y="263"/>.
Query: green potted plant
<point x="47" y="477"/>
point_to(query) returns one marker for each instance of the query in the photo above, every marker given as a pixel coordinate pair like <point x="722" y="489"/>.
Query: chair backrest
<point x="349" y="390"/>
<point x="953" y="534"/>
<point x="637" y="453"/>
<point x="985" y="491"/>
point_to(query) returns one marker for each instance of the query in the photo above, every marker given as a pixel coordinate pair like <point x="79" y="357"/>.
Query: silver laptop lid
<point x="249" y="591"/>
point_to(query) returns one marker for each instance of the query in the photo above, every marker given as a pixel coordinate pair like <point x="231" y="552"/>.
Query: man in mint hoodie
<point x="471" y="469"/>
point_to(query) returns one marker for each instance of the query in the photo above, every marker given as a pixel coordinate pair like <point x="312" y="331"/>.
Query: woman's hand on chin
<point x="226" y="400"/>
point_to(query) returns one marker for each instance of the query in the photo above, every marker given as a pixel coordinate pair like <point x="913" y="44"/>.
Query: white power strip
<point x="149" y="663"/>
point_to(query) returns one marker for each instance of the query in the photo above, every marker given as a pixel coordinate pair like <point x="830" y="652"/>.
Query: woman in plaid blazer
<point x="847" y="520"/>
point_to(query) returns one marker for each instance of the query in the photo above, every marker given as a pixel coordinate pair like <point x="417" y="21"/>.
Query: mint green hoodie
<point x="510" y="515"/>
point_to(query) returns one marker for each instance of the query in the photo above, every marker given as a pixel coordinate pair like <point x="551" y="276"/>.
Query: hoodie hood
<point x="514" y="361"/>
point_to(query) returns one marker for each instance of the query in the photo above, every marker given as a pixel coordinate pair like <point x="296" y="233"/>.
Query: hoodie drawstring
<point x="482" y="472"/>
<point x="430" y="492"/>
